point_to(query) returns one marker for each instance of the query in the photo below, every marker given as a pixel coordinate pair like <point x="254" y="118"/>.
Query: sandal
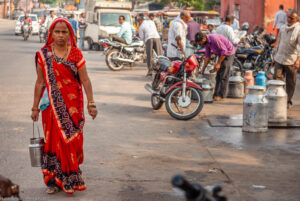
<point x="52" y="189"/>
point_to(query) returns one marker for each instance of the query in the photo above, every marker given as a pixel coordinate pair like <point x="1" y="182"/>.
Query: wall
<point x="271" y="7"/>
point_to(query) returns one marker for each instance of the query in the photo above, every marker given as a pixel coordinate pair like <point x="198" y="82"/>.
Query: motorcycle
<point x="42" y="33"/>
<point x="118" y="55"/>
<point x="26" y="31"/>
<point x="171" y="84"/>
<point x="195" y="192"/>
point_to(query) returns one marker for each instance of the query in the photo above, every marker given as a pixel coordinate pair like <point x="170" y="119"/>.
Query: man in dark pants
<point x="225" y="50"/>
<point x="149" y="34"/>
<point x="287" y="55"/>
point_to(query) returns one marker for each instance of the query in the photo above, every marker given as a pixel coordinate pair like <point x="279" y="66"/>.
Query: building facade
<point x="257" y="12"/>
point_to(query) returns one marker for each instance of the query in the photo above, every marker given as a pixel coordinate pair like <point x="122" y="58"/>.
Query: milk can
<point x="212" y="79"/>
<point x="261" y="79"/>
<point x="207" y="91"/>
<point x="36" y="149"/>
<point x="236" y="86"/>
<point x="277" y="97"/>
<point x="249" y="79"/>
<point x="255" y="110"/>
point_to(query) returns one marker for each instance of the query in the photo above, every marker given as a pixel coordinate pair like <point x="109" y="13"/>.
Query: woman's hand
<point x="92" y="112"/>
<point x="35" y="115"/>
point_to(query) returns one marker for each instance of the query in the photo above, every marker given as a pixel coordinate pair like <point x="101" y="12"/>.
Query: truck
<point x="102" y="18"/>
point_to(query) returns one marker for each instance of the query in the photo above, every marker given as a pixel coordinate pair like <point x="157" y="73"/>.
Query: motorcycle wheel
<point x="193" y="95"/>
<point x="269" y="70"/>
<point x="156" y="102"/>
<point x="115" y="66"/>
<point x="238" y="65"/>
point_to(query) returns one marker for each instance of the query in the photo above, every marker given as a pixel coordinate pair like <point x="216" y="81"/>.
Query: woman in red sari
<point x="61" y="72"/>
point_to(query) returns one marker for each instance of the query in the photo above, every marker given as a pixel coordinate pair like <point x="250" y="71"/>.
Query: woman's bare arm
<point x="86" y="82"/>
<point x="38" y="90"/>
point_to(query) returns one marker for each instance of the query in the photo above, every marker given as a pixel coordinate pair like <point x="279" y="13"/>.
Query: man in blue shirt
<point x="125" y="33"/>
<point x="74" y="25"/>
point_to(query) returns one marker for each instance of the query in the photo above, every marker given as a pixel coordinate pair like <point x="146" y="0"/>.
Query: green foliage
<point x="48" y="1"/>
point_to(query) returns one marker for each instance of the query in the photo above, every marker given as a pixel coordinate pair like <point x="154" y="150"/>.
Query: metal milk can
<point x="212" y="79"/>
<point x="36" y="149"/>
<point x="207" y="91"/>
<point x="277" y="97"/>
<point x="236" y="87"/>
<point x="255" y="110"/>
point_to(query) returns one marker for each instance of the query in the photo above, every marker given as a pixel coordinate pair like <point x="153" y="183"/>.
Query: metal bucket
<point x="36" y="148"/>
<point x="236" y="86"/>
<point x="255" y="110"/>
<point x="277" y="97"/>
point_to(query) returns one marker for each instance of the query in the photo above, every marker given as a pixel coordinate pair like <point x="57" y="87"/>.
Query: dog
<point x="8" y="189"/>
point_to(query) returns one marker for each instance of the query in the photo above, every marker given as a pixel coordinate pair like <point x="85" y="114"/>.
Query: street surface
<point x="131" y="152"/>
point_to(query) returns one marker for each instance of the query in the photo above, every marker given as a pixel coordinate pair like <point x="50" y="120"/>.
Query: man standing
<point x="157" y="23"/>
<point x="235" y="23"/>
<point x="82" y="27"/>
<point x="280" y="19"/>
<point x="226" y="30"/>
<point x="50" y="19"/>
<point x="125" y="33"/>
<point x="150" y="36"/>
<point x="177" y="36"/>
<point x="74" y="25"/>
<point x="193" y="28"/>
<point x="225" y="50"/>
<point x="287" y="54"/>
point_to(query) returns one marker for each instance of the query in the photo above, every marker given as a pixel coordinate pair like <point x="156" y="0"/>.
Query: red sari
<point x="63" y="119"/>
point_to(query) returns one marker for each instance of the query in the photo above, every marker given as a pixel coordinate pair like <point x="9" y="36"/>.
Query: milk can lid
<point x="256" y="87"/>
<point x="276" y="82"/>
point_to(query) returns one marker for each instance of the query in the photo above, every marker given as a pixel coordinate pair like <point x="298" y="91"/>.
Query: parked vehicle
<point x="118" y="55"/>
<point x="195" y="192"/>
<point x="26" y="30"/>
<point x="171" y="84"/>
<point x="103" y="20"/>
<point x="35" y="24"/>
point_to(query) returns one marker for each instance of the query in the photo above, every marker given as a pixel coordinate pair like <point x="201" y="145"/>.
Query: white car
<point x="35" y="24"/>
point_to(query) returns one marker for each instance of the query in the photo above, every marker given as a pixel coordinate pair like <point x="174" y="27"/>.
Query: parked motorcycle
<point x="195" y="192"/>
<point x="26" y="31"/>
<point x="42" y="33"/>
<point x="118" y="55"/>
<point x="183" y="98"/>
<point x="257" y="58"/>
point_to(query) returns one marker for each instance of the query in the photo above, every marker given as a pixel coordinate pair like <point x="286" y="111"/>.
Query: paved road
<point x="131" y="151"/>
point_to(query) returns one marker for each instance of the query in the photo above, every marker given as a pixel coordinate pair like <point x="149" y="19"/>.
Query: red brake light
<point x="105" y="45"/>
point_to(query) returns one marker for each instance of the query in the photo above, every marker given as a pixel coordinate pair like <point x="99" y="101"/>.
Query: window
<point x="112" y="19"/>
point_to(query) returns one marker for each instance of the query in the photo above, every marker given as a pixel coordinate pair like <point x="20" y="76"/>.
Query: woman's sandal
<point x="52" y="189"/>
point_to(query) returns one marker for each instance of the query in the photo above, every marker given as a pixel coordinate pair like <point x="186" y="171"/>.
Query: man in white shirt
<point x="148" y="33"/>
<point x="177" y="36"/>
<point x="226" y="30"/>
<point x="50" y="19"/>
<point x="235" y="23"/>
<point x="280" y="19"/>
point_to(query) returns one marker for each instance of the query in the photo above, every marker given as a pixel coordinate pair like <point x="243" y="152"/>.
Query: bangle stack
<point x="92" y="104"/>
<point x="35" y="109"/>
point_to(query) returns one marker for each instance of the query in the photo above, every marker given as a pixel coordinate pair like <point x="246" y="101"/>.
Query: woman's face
<point x="61" y="34"/>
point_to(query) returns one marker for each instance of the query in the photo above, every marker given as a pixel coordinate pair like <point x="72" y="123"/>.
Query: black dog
<point x="8" y="189"/>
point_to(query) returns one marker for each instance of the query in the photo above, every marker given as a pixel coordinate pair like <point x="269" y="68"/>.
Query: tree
<point x="48" y="1"/>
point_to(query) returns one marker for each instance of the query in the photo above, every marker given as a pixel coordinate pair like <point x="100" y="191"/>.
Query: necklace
<point x="60" y="60"/>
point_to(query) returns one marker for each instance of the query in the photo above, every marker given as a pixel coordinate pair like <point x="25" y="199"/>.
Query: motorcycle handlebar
<point x="192" y="192"/>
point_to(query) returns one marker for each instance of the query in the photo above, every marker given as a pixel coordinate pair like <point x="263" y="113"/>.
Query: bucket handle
<point x="37" y="129"/>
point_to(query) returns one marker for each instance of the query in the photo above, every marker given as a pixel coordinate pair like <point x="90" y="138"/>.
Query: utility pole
<point x="9" y="9"/>
<point x="26" y="7"/>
